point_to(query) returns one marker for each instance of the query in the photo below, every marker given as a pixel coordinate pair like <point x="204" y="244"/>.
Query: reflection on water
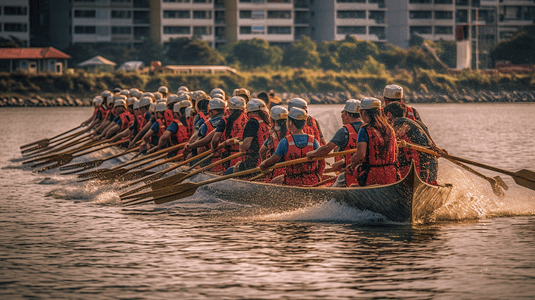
<point x="63" y="239"/>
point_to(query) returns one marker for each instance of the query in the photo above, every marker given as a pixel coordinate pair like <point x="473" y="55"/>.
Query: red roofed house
<point x="33" y="60"/>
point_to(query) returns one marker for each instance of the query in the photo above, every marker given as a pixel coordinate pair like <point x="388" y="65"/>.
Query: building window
<point x="201" y="14"/>
<point x="121" y="1"/>
<point x="443" y="30"/>
<point x="443" y="1"/>
<point x="176" y="29"/>
<point x="461" y="16"/>
<point x="279" y="1"/>
<point x="279" y="14"/>
<point x="351" y="30"/>
<point x="420" y="1"/>
<point x="121" y="14"/>
<point x="121" y="30"/>
<point x="279" y="30"/>
<point x="350" y="1"/>
<point x="85" y="14"/>
<point x="378" y="31"/>
<point x="421" y="29"/>
<point x="15" y="27"/>
<point x="202" y="30"/>
<point x="246" y="14"/>
<point x="85" y="29"/>
<point x="252" y="1"/>
<point x="176" y="14"/>
<point x="258" y="29"/>
<point x="258" y="14"/>
<point x="420" y="14"/>
<point x="245" y="30"/>
<point x="461" y="2"/>
<point x="378" y="16"/>
<point x="443" y="15"/>
<point x="351" y="14"/>
<point x="15" y="10"/>
<point x="176" y="1"/>
<point x="202" y="1"/>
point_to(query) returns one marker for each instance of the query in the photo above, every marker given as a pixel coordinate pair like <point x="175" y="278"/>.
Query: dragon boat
<point x="409" y="200"/>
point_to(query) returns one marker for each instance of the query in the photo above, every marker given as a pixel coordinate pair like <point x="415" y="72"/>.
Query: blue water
<point x="63" y="239"/>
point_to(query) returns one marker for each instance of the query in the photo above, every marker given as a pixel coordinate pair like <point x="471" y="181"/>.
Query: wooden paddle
<point x="159" y="175"/>
<point x="169" y="182"/>
<point x="525" y="178"/>
<point x="92" y="164"/>
<point x="66" y="158"/>
<point x="142" y="172"/>
<point x="36" y="150"/>
<point x="52" y="152"/>
<point x="114" y="174"/>
<point x="66" y="154"/>
<point x="45" y="142"/>
<point x="331" y="178"/>
<point x="497" y="183"/>
<point x="133" y="161"/>
<point x="187" y="189"/>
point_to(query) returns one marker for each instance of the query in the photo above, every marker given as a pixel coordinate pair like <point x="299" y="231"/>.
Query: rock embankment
<point x="313" y="98"/>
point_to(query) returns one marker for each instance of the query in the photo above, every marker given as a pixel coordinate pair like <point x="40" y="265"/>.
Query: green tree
<point x="255" y="53"/>
<point x="520" y="49"/>
<point x="302" y="54"/>
<point x="198" y="52"/>
<point x="149" y="51"/>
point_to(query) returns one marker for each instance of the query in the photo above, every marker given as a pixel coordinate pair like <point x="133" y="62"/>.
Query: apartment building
<point x="363" y="19"/>
<point x="512" y="14"/>
<point x="15" y="21"/>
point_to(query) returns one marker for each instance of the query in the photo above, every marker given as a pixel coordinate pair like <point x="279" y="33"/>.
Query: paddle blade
<point x="526" y="179"/>
<point x="85" y="165"/>
<point x="500" y="182"/>
<point x="185" y="190"/>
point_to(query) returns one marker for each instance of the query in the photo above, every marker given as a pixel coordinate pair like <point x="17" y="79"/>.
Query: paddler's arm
<point x="121" y="135"/>
<point x="321" y="151"/>
<point x="272" y="160"/>
<point x="140" y="135"/>
<point x="112" y="131"/>
<point x="362" y="148"/>
<point x="201" y="142"/>
<point x="215" y="139"/>
<point x="246" y="144"/>
<point x="263" y="151"/>
<point x="161" y="142"/>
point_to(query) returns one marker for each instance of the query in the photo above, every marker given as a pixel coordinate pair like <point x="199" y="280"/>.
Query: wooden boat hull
<point x="408" y="200"/>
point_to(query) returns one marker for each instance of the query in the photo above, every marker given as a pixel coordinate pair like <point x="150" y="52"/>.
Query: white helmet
<point x="136" y="94"/>
<point x="172" y="99"/>
<point x="163" y="89"/>
<point x="144" y="101"/>
<point x="133" y="90"/>
<point x="188" y="110"/>
<point x="120" y="102"/>
<point x="297" y="102"/>
<point x="97" y="101"/>
<point x="236" y="102"/>
<point x="393" y="91"/>
<point x="176" y="107"/>
<point x="136" y="104"/>
<point x="352" y="106"/>
<point x="256" y="104"/>
<point x="279" y="112"/>
<point x="184" y="103"/>
<point x="216" y="91"/>
<point x="110" y="101"/>
<point x="297" y="114"/>
<point x="125" y="93"/>
<point x="217" y="104"/>
<point x="131" y="101"/>
<point x="183" y="88"/>
<point x="147" y="94"/>
<point x="370" y="103"/>
<point x="106" y="94"/>
<point x="157" y="96"/>
<point x="160" y="107"/>
<point x="152" y="107"/>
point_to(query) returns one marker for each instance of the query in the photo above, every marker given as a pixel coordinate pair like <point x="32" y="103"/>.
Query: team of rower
<point x="241" y="124"/>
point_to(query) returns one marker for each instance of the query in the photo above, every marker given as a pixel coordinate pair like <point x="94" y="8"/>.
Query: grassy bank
<point x="368" y="80"/>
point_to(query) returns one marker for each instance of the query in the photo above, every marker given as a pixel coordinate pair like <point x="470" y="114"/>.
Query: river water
<point x="63" y="239"/>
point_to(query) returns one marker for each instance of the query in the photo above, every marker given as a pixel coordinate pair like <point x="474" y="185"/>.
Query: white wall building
<point x="14" y="20"/>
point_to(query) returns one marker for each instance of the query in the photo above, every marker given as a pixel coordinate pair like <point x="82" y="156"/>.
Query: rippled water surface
<point x="64" y="239"/>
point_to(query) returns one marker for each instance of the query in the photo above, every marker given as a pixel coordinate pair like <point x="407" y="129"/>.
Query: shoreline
<point x="312" y="98"/>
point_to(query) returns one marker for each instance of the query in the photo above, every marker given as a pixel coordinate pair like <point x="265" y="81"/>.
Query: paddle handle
<point x="150" y="155"/>
<point x="177" y="157"/>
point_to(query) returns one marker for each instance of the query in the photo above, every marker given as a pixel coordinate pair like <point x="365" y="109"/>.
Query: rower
<point x="244" y="93"/>
<point x="132" y="130"/>
<point x="203" y="137"/>
<point x="278" y="130"/>
<point x="274" y="99"/>
<point x="102" y="111"/>
<point x="169" y="114"/>
<point x="231" y="127"/>
<point x="183" y="88"/>
<point x="97" y="101"/>
<point x="110" y="114"/>
<point x="311" y="126"/>
<point x="394" y="93"/>
<point x="124" y="119"/>
<point x="411" y="132"/>
<point x="376" y="154"/>
<point x="158" y="96"/>
<point x="294" y="146"/>
<point x="152" y="137"/>
<point x="345" y="139"/>
<point x="200" y="103"/>
<point x="255" y="133"/>
<point x="143" y="120"/>
<point x="130" y="103"/>
<point x="176" y="133"/>
<point x="217" y="91"/>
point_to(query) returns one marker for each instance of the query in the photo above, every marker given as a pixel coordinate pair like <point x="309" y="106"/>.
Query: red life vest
<point x="161" y="125"/>
<point x="410" y="113"/>
<point x="311" y="127"/>
<point x="375" y="169"/>
<point x="103" y="112"/>
<point x="168" y="116"/>
<point x="263" y="131"/>
<point x="235" y="132"/>
<point x="126" y="120"/>
<point x="351" y="144"/>
<point x="181" y="134"/>
<point x="203" y="116"/>
<point x="189" y="125"/>
<point x="300" y="174"/>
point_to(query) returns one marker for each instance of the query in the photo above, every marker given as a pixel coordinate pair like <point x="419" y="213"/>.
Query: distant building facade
<point x="33" y="60"/>
<point x="15" y="21"/>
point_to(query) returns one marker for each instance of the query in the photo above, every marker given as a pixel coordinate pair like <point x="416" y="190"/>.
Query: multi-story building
<point x="15" y="21"/>
<point x="363" y="19"/>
